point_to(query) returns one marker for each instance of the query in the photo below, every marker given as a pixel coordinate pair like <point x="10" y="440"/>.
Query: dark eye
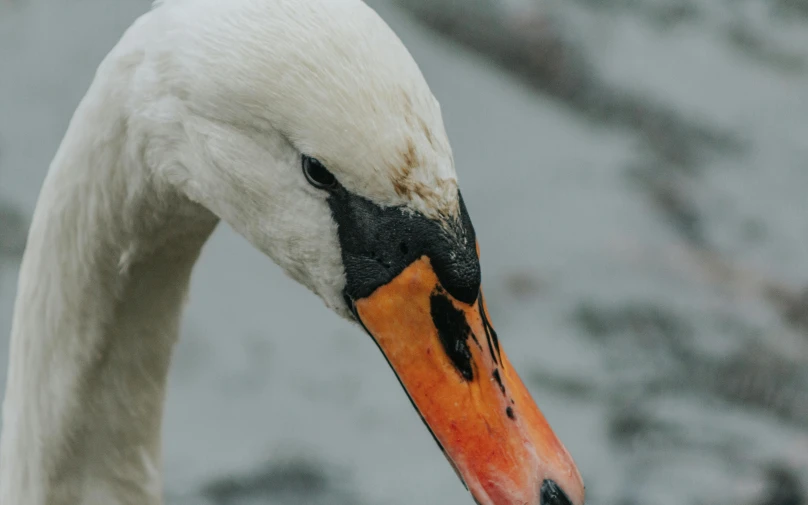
<point x="317" y="174"/>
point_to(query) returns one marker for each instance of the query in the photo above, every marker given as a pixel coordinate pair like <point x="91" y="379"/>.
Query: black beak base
<point x="378" y="243"/>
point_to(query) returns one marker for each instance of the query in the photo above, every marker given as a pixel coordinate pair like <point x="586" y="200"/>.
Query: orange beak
<point x="447" y="357"/>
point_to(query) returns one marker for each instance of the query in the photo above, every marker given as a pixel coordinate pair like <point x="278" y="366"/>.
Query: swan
<point x="307" y="127"/>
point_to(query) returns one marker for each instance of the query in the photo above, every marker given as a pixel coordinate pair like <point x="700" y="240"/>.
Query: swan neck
<point x="101" y="287"/>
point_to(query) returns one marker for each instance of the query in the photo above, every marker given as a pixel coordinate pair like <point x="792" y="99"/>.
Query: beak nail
<point x="551" y="494"/>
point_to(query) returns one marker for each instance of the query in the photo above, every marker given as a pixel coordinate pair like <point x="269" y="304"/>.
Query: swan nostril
<point x="551" y="494"/>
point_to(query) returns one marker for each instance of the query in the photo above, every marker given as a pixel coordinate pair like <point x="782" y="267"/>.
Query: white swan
<point x="308" y="128"/>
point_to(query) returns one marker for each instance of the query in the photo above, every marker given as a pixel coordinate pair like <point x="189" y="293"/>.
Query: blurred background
<point x="637" y="174"/>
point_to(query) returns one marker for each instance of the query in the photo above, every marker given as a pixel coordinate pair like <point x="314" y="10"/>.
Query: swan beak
<point x="448" y="358"/>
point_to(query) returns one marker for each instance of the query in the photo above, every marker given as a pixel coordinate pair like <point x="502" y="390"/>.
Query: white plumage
<point x="200" y="113"/>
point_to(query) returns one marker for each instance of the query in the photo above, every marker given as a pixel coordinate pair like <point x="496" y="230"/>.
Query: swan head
<point x="308" y="127"/>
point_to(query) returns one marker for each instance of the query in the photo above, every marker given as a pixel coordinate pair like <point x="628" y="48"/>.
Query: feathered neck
<point x="101" y="286"/>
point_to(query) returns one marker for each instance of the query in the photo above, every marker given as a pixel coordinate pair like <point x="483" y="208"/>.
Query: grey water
<point x="637" y="174"/>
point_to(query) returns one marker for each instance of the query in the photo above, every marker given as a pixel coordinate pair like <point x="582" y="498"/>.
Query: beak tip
<point x="551" y="494"/>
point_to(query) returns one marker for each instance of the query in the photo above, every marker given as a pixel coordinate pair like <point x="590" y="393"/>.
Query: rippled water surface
<point x="637" y="173"/>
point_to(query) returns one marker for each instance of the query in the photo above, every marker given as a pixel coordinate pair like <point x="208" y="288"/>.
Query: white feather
<point x="200" y="113"/>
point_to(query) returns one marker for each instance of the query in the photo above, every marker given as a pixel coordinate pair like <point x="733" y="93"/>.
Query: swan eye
<point x="317" y="174"/>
